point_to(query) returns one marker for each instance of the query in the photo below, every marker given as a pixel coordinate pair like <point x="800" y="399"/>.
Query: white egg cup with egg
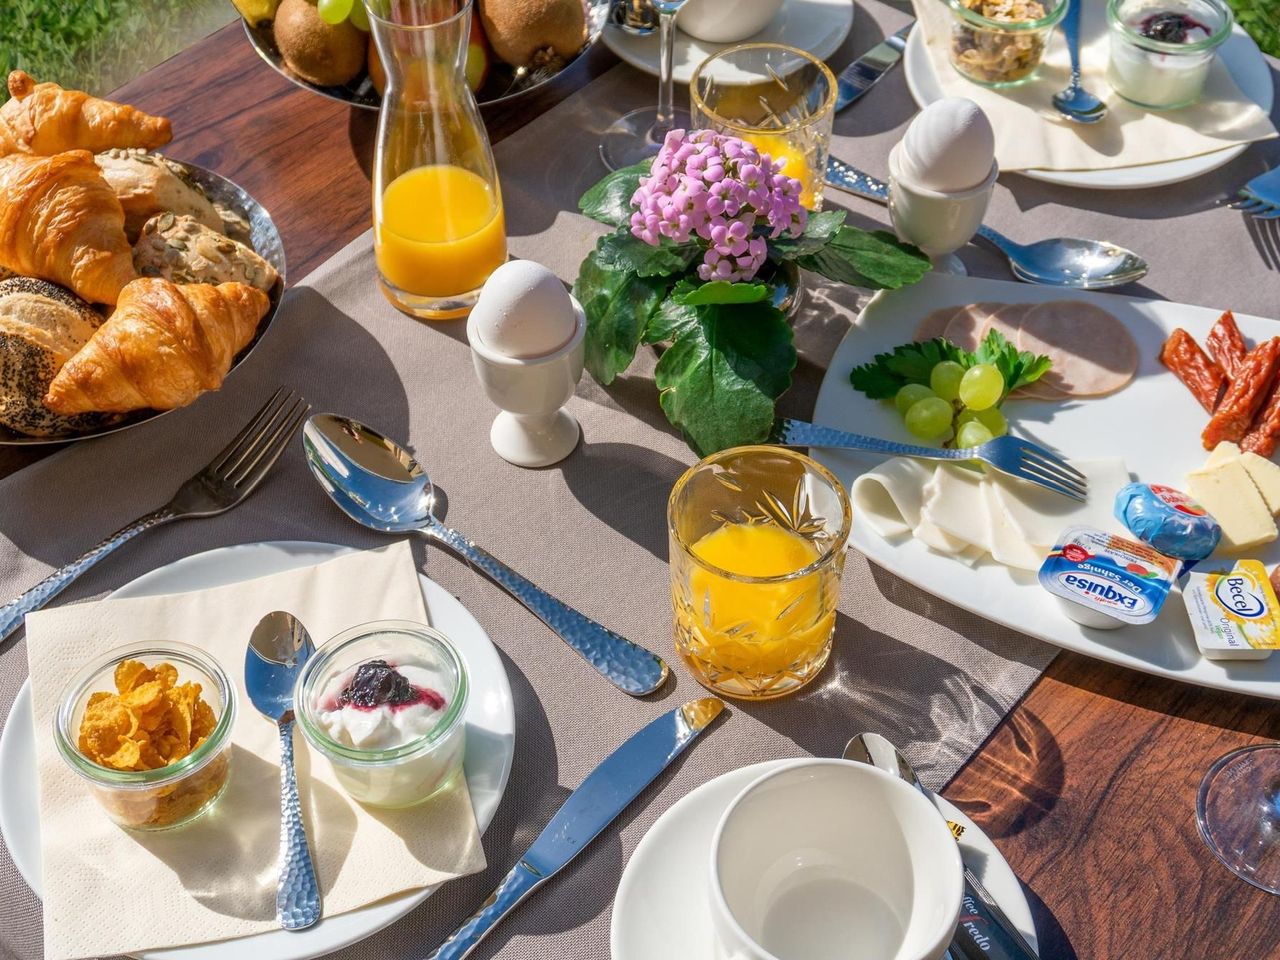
<point x="533" y="428"/>
<point x="938" y="223"/>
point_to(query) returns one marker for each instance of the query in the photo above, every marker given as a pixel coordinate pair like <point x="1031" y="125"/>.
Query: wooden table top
<point x="1088" y="787"/>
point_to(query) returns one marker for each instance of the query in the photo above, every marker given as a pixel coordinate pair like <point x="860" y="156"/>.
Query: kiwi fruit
<point x="323" y="53"/>
<point x="517" y="29"/>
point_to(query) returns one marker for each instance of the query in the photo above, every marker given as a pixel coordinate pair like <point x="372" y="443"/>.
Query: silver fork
<point x="1260" y="197"/>
<point x="230" y="477"/>
<point x="1011" y="455"/>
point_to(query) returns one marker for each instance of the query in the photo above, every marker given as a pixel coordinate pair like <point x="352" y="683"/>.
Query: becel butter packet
<point x="1234" y="615"/>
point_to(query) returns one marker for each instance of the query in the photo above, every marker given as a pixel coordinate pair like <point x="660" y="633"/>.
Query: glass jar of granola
<point x="998" y="43"/>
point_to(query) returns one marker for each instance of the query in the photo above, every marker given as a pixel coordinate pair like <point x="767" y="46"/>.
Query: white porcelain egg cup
<point x="533" y="429"/>
<point x="938" y="223"/>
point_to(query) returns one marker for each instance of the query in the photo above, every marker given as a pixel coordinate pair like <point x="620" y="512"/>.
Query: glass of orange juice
<point x="780" y="98"/>
<point x="757" y="550"/>
<point x="438" y="228"/>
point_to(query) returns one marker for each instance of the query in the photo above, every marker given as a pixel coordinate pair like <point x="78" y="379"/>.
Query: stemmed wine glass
<point x="638" y="135"/>
<point x="1238" y="812"/>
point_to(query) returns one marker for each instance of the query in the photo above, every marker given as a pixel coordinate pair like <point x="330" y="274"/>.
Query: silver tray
<point x="262" y="236"/>
<point x="500" y="86"/>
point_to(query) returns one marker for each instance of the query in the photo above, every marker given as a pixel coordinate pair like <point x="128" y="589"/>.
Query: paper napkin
<point x="110" y="891"/>
<point x="1031" y="135"/>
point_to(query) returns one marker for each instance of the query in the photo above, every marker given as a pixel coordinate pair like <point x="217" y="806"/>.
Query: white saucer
<point x="818" y="26"/>
<point x="1243" y="59"/>
<point x="660" y="911"/>
<point x="490" y="745"/>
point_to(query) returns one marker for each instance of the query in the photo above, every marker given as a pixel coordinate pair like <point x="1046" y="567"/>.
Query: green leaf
<point x="724" y="370"/>
<point x="627" y="252"/>
<point x="877" y="260"/>
<point x="818" y="232"/>
<point x="618" y="305"/>
<point x="609" y="201"/>
<point x="1018" y="367"/>
<point x="887" y="373"/>
<point x="718" y="291"/>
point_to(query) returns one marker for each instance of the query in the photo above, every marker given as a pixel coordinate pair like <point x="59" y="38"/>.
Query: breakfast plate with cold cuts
<point x="1171" y="411"/>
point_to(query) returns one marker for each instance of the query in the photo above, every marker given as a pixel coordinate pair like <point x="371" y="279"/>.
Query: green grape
<point x="929" y="418"/>
<point x="972" y="434"/>
<point x="945" y="378"/>
<point x="991" y="418"/>
<point x="909" y="395"/>
<point x="981" y="387"/>
<point x="359" y="17"/>
<point x="333" y="11"/>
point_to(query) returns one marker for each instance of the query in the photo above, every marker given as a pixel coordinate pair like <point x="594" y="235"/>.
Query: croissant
<point x="61" y="221"/>
<point x="165" y="344"/>
<point x="43" y="118"/>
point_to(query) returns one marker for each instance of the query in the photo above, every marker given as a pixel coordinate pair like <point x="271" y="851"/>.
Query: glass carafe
<point x="438" y="226"/>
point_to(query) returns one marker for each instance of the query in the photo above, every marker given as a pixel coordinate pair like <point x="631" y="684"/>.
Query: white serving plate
<point x="661" y="912"/>
<point x="1153" y="424"/>
<point x="1245" y="62"/>
<point x="818" y="26"/>
<point x="490" y="720"/>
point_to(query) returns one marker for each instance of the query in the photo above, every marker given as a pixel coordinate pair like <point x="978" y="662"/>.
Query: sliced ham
<point x="934" y="324"/>
<point x="968" y="325"/>
<point x="1091" y="351"/>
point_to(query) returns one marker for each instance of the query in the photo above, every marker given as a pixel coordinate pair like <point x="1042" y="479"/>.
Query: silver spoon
<point x="873" y="749"/>
<point x="278" y="648"/>
<point x="1076" y="103"/>
<point x="380" y="486"/>
<point x="1059" y="262"/>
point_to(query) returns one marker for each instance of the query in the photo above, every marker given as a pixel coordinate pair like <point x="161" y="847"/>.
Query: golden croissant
<point x="165" y="344"/>
<point x="61" y="221"/>
<point x="44" y="119"/>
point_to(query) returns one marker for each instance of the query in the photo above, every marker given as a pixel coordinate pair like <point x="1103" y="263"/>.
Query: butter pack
<point x="1234" y="615"/>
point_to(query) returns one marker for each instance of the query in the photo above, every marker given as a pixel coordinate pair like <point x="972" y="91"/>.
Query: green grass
<point x="1262" y="19"/>
<point x="97" y="45"/>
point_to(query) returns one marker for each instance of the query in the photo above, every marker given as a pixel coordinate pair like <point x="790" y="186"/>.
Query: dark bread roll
<point x="41" y="326"/>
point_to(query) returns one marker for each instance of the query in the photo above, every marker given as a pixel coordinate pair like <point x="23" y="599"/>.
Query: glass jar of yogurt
<point x="1161" y="50"/>
<point x="384" y="703"/>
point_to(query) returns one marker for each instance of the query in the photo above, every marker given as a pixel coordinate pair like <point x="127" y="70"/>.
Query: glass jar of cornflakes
<point x="148" y="727"/>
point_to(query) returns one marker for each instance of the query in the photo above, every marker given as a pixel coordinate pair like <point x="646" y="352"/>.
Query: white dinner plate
<point x="490" y="745"/>
<point x="1243" y="59"/>
<point x="818" y="26"/>
<point x="660" y="911"/>
<point x="1153" y="425"/>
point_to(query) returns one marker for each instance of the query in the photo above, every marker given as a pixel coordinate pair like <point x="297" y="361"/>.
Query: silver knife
<point x="861" y="75"/>
<point x="604" y="794"/>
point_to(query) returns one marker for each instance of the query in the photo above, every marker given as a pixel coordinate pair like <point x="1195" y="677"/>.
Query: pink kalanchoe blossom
<point x="722" y="191"/>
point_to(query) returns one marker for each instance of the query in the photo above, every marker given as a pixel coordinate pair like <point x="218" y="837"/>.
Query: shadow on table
<point x="626" y="487"/>
<point x="1052" y="942"/>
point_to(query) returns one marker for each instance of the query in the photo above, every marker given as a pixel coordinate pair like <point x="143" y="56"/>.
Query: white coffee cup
<point x="726" y="21"/>
<point x="827" y="859"/>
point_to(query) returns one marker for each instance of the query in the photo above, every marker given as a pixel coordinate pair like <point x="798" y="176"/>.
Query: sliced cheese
<point x="1265" y="476"/>
<point x="888" y="498"/>
<point x="1224" y="451"/>
<point x="1229" y="494"/>
<point x="938" y="539"/>
<point x="954" y="502"/>
<point x="1038" y="515"/>
<point x="1008" y="546"/>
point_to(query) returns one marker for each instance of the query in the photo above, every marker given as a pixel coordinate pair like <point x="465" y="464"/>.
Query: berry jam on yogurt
<point x="385" y="704"/>
<point x="376" y="705"/>
<point x="1162" y="50"/>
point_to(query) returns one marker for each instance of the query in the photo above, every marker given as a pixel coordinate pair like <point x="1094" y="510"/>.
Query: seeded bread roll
<point x="146" y="185"/>
<point x="180" y="249"/>
<point x="41" y="326"/>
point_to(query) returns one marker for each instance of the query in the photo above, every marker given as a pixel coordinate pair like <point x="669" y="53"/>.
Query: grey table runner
<point x="591" y="529"/>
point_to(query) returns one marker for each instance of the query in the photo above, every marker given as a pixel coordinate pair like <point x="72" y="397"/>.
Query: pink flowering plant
<point x="702" y="236"/>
